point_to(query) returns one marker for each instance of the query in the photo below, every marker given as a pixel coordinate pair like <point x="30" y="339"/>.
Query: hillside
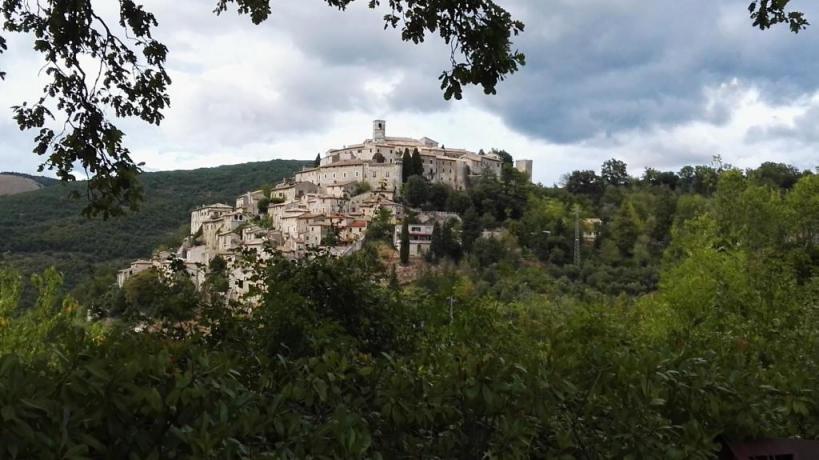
<point x="12" y="184"/>
<point x="44" y="227"/>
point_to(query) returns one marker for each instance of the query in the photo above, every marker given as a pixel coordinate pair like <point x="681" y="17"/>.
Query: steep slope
<point x="12" y="184"/>
<point x="44" y="227"/>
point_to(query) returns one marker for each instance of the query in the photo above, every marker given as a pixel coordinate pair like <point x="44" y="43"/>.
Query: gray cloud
<point x="614" y="66"/>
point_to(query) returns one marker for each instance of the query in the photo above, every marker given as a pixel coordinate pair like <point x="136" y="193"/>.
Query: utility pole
<point x="576" y="236"/>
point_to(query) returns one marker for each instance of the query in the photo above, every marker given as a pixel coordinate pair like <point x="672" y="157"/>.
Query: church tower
<point x="379" y="130"/>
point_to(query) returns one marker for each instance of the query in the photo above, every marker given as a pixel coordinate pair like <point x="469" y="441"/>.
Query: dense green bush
<point x="505" y="361"/>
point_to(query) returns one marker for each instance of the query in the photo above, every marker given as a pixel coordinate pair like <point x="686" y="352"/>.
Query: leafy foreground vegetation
<point x="45" y="228"/>
<point x="338" y="362"/>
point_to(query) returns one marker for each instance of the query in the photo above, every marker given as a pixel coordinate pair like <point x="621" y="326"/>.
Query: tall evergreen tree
<point x="449" y="246"/>
<point x="406" y="165"/>
<point x="472" y="228"/>
<point x="436" y="247"/>
<point x="417" y="163"/>
<point x="317" y="161"/>
<point x="404" y="253"/>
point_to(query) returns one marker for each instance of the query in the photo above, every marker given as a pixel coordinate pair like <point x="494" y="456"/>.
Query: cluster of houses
<point x="326" y="207"/>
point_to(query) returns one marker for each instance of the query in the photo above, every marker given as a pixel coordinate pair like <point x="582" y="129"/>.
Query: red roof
<point x="358" y="224"/>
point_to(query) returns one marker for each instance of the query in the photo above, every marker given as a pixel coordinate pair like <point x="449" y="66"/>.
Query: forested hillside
<point x="692" y="319"/>
<point x="44" y="227"/>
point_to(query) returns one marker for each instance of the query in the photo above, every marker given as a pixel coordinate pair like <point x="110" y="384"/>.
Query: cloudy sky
<point x="659" y="83"/>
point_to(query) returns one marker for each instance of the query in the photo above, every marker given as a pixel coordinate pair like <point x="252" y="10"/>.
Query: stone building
<point x="208" y="212"/>
<point x="378" y="161"/>
<point x="318" y="208"/>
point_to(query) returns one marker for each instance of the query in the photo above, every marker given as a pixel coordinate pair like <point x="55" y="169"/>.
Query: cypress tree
<point x="405" y="243"/>
<point x="436" y="247"/>
<point x="472" y="228"/>
<point x="417" y="163"/>
<point x="448" y="247"/>
<point x="317" y="161"/>
<point x="406" y="165"/>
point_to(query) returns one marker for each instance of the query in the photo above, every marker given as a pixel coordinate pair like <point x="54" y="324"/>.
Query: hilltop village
<point x="328" y="206"/>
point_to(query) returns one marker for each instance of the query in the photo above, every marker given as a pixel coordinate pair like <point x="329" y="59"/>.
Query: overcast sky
<point x="659" y="83"/>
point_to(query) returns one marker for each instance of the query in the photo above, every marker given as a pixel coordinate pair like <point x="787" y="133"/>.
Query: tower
<point x="524" y="166"/>
<point x="379" y="130"/>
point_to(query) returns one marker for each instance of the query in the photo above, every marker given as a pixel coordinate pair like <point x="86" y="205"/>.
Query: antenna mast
<point x="576" y="236"/>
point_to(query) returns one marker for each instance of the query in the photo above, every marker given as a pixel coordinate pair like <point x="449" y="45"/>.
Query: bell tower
<point x="379" y="130"/>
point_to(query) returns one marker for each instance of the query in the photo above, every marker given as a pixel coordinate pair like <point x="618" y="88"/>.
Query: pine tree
<point x="406" y="165"/>
<point x="405" y="243"/>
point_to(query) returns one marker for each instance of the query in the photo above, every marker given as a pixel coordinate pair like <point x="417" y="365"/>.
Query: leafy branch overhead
<point x="767" y="13"/>
<point x="99" y="69"/>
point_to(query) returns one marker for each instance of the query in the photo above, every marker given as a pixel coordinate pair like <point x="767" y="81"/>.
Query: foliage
<point x="169" y="298"/>
<point x="415" y="191"/>
<point x="405" y="243"/>
<point x="417" y="164"/>
<point x="262" y="204"/>
<point x="584" y="183"/>
<point x="692" y="318"/>
<point x="43" y="228"/>
<point x="332" y="362"/>
<point x="407" y="168"/>
<point x="775" y="175"/>
<point x="614" y="172"/>
<point x="361" y="187"/>
<point x="381" y="227"/>
<point x="767" y="13"/>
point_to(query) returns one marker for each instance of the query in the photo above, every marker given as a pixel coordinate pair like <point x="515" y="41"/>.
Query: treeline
<point x="45" y="228"/>
<point x="624" y="222"/>
<point x="494" y="357"/>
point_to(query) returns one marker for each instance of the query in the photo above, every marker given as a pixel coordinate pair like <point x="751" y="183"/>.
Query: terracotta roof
<point x="358" y="224"/>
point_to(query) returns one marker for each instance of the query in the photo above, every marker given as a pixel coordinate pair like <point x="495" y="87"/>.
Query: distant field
<point x="12" y="184"/>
